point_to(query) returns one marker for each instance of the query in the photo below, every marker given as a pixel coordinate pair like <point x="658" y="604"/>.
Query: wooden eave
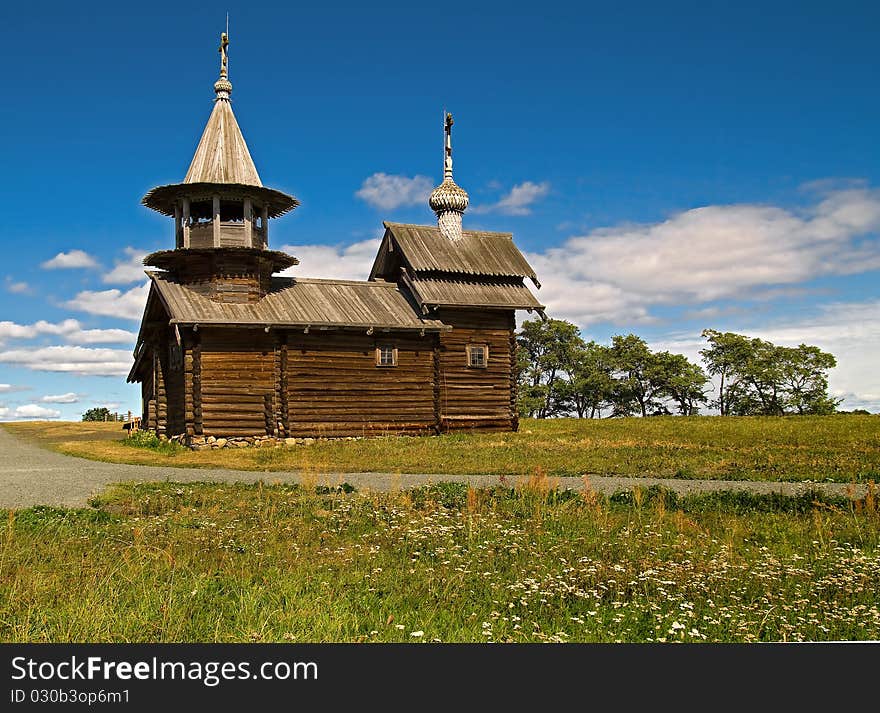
<point x="422" y="249"/>
<point x="431" y="292"/>
<point x="301" y="303"/>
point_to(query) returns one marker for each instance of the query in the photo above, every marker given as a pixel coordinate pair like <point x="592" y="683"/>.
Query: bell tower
<point x="221" y="211"/>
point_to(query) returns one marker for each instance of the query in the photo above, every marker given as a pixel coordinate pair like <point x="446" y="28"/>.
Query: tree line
<point x="561" y="374"/>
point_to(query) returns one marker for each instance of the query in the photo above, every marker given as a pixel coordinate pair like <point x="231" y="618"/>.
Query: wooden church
<point x="227" y="348"/>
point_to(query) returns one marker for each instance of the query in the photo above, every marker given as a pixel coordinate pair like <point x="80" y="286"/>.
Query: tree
<point x="547" y="349"/>
<point x="638" y="384"/>
<point x="590" y="381"/>
<point x="684" y="382"/>
<point x="758" y="377"/>
<point x="96" y="414"/>
<point x="723" y="358"/>
<point x="804" y="381"/>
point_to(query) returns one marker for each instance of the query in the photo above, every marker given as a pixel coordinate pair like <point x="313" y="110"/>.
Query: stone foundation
<point x="201" y="443"/>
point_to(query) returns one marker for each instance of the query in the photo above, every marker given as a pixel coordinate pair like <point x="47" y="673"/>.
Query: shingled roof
<point x="222" y="155"/>
<point x="424" y="249"/>
<point x="499" y="294"/>
<point x="297" y="302"/>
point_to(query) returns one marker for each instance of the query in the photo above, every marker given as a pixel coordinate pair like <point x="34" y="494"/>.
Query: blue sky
<point x="666" y="166"/>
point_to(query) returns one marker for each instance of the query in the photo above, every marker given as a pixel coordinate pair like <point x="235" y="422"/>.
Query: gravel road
<point x="30" y="475"/>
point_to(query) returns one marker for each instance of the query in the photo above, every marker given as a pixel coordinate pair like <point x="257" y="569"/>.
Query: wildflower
<point x="417" y="634"/>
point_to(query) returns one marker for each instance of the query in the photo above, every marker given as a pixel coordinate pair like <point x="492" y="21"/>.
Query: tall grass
<point x="208" y="562"/>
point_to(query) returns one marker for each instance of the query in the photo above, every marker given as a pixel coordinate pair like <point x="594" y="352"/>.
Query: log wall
<point x="472" y="398"/>
<point x="237" y="380"/>
<point x="334" y="388"/>
<point x="246" y="382"/>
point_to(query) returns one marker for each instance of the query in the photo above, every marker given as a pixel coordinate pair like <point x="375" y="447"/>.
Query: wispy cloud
<point x="706" y="254"/>
<point x="129" y="269"/>
<point x="112" y="303"/>
<point x="17" y="287"/>
<point x="29" y="411"/>
<point x="389" y="191"/>
<point x="518" y="201"/>
<point x="70" y="330"/>
<point x="72" y="360"/>
<point x="71" y="259"/>
<point x="351" y="262"/>
<point x="68" y="398"/>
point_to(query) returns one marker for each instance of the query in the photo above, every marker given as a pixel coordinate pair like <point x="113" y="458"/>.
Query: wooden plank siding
<point x="477" y="398"/>
<point x="334" y="387"/>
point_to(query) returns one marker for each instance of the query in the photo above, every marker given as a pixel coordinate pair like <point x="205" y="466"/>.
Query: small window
<point x="477" y="356"/>
<point x="175" y="356"/>
<point x="386" y="356"/>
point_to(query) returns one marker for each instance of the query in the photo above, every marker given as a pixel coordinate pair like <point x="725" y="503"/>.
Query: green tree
<point x="638" y="384"/>
<point x="684" y="382"/>
<point x="96" y="414"/>
<point x="546" y="348"/>
<point x="804" y="381"/>
<point x="590" y="385"/>
<point x="724" y="357"/>
<point x="758" y="377"/>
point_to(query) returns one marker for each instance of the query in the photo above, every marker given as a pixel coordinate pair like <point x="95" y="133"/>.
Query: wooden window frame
<point x="473" y="348"/>
<point x="175" y="356"/>
<point x="379" y="349"/>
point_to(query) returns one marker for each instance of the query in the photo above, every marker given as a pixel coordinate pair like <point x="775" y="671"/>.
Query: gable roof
<point x="296" y="302"/>
<point x="424" y="249"/>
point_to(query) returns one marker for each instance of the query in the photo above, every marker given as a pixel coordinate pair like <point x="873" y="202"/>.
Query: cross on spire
<point x="447" y="156"/>
<point x="223" y="87"/>
<point x="224" y="43"/>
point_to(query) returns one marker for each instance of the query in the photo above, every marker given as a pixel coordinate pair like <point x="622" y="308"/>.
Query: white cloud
<point x="17" y="288"/>
<point x="73" y="360"/>
<point x="31" y="411"/>
<point x="74" y="258"/>
<point x="387" y="191"/>
<point x="68" y="398"/>
<point x="128" y="270"/>
<point x="848" y="330"/>
<point x="519" y="201"/>
<point x="10" y="388"/>
<point x="716" y="252"/>
<point x="70" y="330"/>
<point x="352" y="262"/>
<point x="112" y="303"/>
<point x="102" y="336"/>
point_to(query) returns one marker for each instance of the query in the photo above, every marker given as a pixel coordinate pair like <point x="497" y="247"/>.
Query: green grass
<point x="837" y="448"/>
<point x="208" y="562"/>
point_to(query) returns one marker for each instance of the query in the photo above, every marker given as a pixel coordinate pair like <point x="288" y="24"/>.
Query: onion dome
<point x="448" y="200"/>
<point x="448" y="196"/>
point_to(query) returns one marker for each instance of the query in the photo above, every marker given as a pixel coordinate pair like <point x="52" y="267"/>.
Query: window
<point x="175" y="356"/>
<point x="477" y="356"/>
<point x="386" y="356"/>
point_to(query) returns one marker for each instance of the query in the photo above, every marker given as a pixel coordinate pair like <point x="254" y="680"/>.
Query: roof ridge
<point x="390" y="224"/>
<point x="330" y="280"/>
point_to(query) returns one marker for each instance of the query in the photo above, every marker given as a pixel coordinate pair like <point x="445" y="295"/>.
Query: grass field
<point x="208" y="562"/>
<point x="839" y="448"/>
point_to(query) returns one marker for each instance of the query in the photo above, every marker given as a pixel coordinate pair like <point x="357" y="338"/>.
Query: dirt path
<point x="30" y="475"/>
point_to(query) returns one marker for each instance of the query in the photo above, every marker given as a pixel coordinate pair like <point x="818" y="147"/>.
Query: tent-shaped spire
<point x="222" y="164"/>
<point x="222" y="155"/>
